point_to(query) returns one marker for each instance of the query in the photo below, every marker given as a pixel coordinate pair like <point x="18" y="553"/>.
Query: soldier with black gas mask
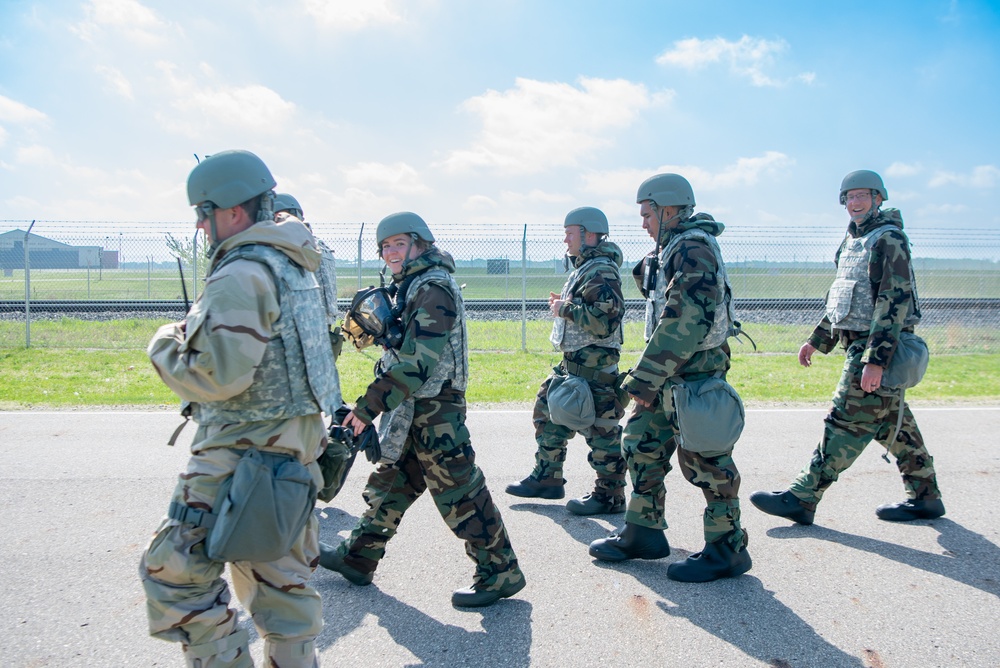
<point x="419" y="391"/>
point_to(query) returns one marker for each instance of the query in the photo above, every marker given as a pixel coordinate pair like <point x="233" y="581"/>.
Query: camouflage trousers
<point x="649" y="442"/>
<point x="604" y="439"/>
<point x="187" y="600"/>
<point x="855" y="420"/>
<point x="438" y="457"/>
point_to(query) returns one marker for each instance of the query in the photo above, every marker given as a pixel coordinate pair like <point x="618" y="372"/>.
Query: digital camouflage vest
<point x="454" y="362"/>
<point x="850" y="304"/>
<point x="326" y="275"/>
<point x="297" y="375"/>
<point x="725" y="316"/>
<point x="569" y="336"/>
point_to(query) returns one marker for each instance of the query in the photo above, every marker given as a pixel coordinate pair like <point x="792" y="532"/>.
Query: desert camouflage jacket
<point x="213" y="355"/>
<point x="428" y="318"/>
<point x="692" y="295"/>
<point x="893" y="291"/>
<point x="592" y="312"/>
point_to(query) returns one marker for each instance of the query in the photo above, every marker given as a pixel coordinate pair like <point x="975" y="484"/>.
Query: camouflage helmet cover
<point x="589" y="218"/>
<point x="666" y="190"/>
<point x="862" y="178"/>
<point x="403" y="222"/>
<point x="228" y="178"/>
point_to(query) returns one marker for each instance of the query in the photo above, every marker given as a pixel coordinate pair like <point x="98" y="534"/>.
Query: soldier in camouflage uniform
<point x="687" y="316"/>
<point x="588" y="329"/>
<point x="430" y="369"/>
<point x="285" y="207"/>
<point x="872" y="300"/>
<point x="252" y="363"/>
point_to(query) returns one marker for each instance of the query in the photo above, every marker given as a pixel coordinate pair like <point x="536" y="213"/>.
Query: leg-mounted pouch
<point x="260" y="511"/>
<point x="908" y="363"/>
<point x="710" y="415"/>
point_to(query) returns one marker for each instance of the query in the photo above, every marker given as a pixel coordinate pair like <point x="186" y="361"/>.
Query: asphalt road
<point x="83" y="492"/>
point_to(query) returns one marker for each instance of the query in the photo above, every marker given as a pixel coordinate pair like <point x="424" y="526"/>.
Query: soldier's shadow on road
<point x="739" y="611"/>
<point x="968" y="557"/>
<point x="506" y="627"/>
<point x="582" y="529"/>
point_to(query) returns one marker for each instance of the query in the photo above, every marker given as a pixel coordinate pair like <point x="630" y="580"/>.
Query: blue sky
<point x="495" y="114"/>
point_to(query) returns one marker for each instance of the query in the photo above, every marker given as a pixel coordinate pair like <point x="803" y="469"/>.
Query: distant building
<point x="49" y="254"/>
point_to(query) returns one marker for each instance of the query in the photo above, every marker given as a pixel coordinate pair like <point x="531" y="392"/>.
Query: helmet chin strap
<point x="663" y="223"/>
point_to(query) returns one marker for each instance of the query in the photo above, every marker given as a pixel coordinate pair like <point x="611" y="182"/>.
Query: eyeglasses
<point x="203" y="211"/>
<point x="859" y="197"/>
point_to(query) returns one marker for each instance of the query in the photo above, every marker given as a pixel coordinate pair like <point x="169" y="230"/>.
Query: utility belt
<point x="849" y="336"/>
<point x="587" y="373"/>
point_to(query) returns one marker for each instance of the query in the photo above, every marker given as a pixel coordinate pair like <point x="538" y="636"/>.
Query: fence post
<point x="194" y="261"/>
<point x="149" y="279"/>
<point x="27" y="290"/>
<point x="360" y="233"/>
<point x="524" y="290"/>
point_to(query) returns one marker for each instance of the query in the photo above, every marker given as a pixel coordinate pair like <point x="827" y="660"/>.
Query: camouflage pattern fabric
<point x="439" y="458"/>
<point x="856" y="417"/>
<point x="604" y="438"/>
<point x="649" y="442"/>
<point x="855" y="420"/>
<point x="187" y="598"/>
<point x="890" y="274"/>
<point x="593" y="305"/>
<point x="596" y="306"/>
<point x="438" y="454"/>
<point x="212" y="357"/>
<point x="693" y="294"/>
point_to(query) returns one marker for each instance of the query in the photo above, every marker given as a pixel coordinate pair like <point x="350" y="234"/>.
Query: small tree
<point x="185" y="249"/>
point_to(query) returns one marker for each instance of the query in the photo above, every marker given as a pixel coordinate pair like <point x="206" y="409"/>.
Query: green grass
<point x="747" y="282"/>
<point x="497" y="336"/>
<point x="76" y="378"/>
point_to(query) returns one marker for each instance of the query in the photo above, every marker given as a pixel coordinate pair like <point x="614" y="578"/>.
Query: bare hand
<point x="354" y="422"/>
<point x="871" y="377"/>
<point x="644" y="404"/>
<point x="555" y="303"/>
<point x="806" y="353"/>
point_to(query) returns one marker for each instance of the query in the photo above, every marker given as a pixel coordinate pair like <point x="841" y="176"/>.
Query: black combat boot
<point x="596" y="503"/>
<point x="631" y="542"/>
<point x="716" y="560"/>
<point x="531" y="488"/>
<point x="783" y="504"/>
<point x="330" y="559"/>
<point x="911" y="509"/>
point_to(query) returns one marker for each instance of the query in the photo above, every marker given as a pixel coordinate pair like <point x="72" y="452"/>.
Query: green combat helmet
<point x="666" y="190"/>
<point x="589" y="218"/>
<point x="228" y="178"/>
<point x="285" y="202"/>
<point x="403" y="222"/>
<point x="862" y="178"/>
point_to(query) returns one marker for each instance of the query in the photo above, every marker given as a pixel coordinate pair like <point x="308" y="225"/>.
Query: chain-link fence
<point x="110" y="288"/>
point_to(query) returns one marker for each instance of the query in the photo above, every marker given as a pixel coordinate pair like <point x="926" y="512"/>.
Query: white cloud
<point x="535" y="196"/>
<point x="252" y="107"/>
<point x="537" y="124"/>
<point x="116" y="81"/>
<point x="747" y="57"/>
<point x="983" y="176"/>
<point x="903" y="169"/>
<point x="35" y="155"/>
<point x="397" y="178"/>
<point x="744" y="172"/>
<point x="135" y="21"/>
<point x="352" y="15"/>
<point x="17" y="112"/>
<point x="479" y="203"/>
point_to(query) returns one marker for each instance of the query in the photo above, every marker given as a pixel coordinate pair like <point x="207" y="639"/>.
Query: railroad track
<point x="112" y="307"/>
